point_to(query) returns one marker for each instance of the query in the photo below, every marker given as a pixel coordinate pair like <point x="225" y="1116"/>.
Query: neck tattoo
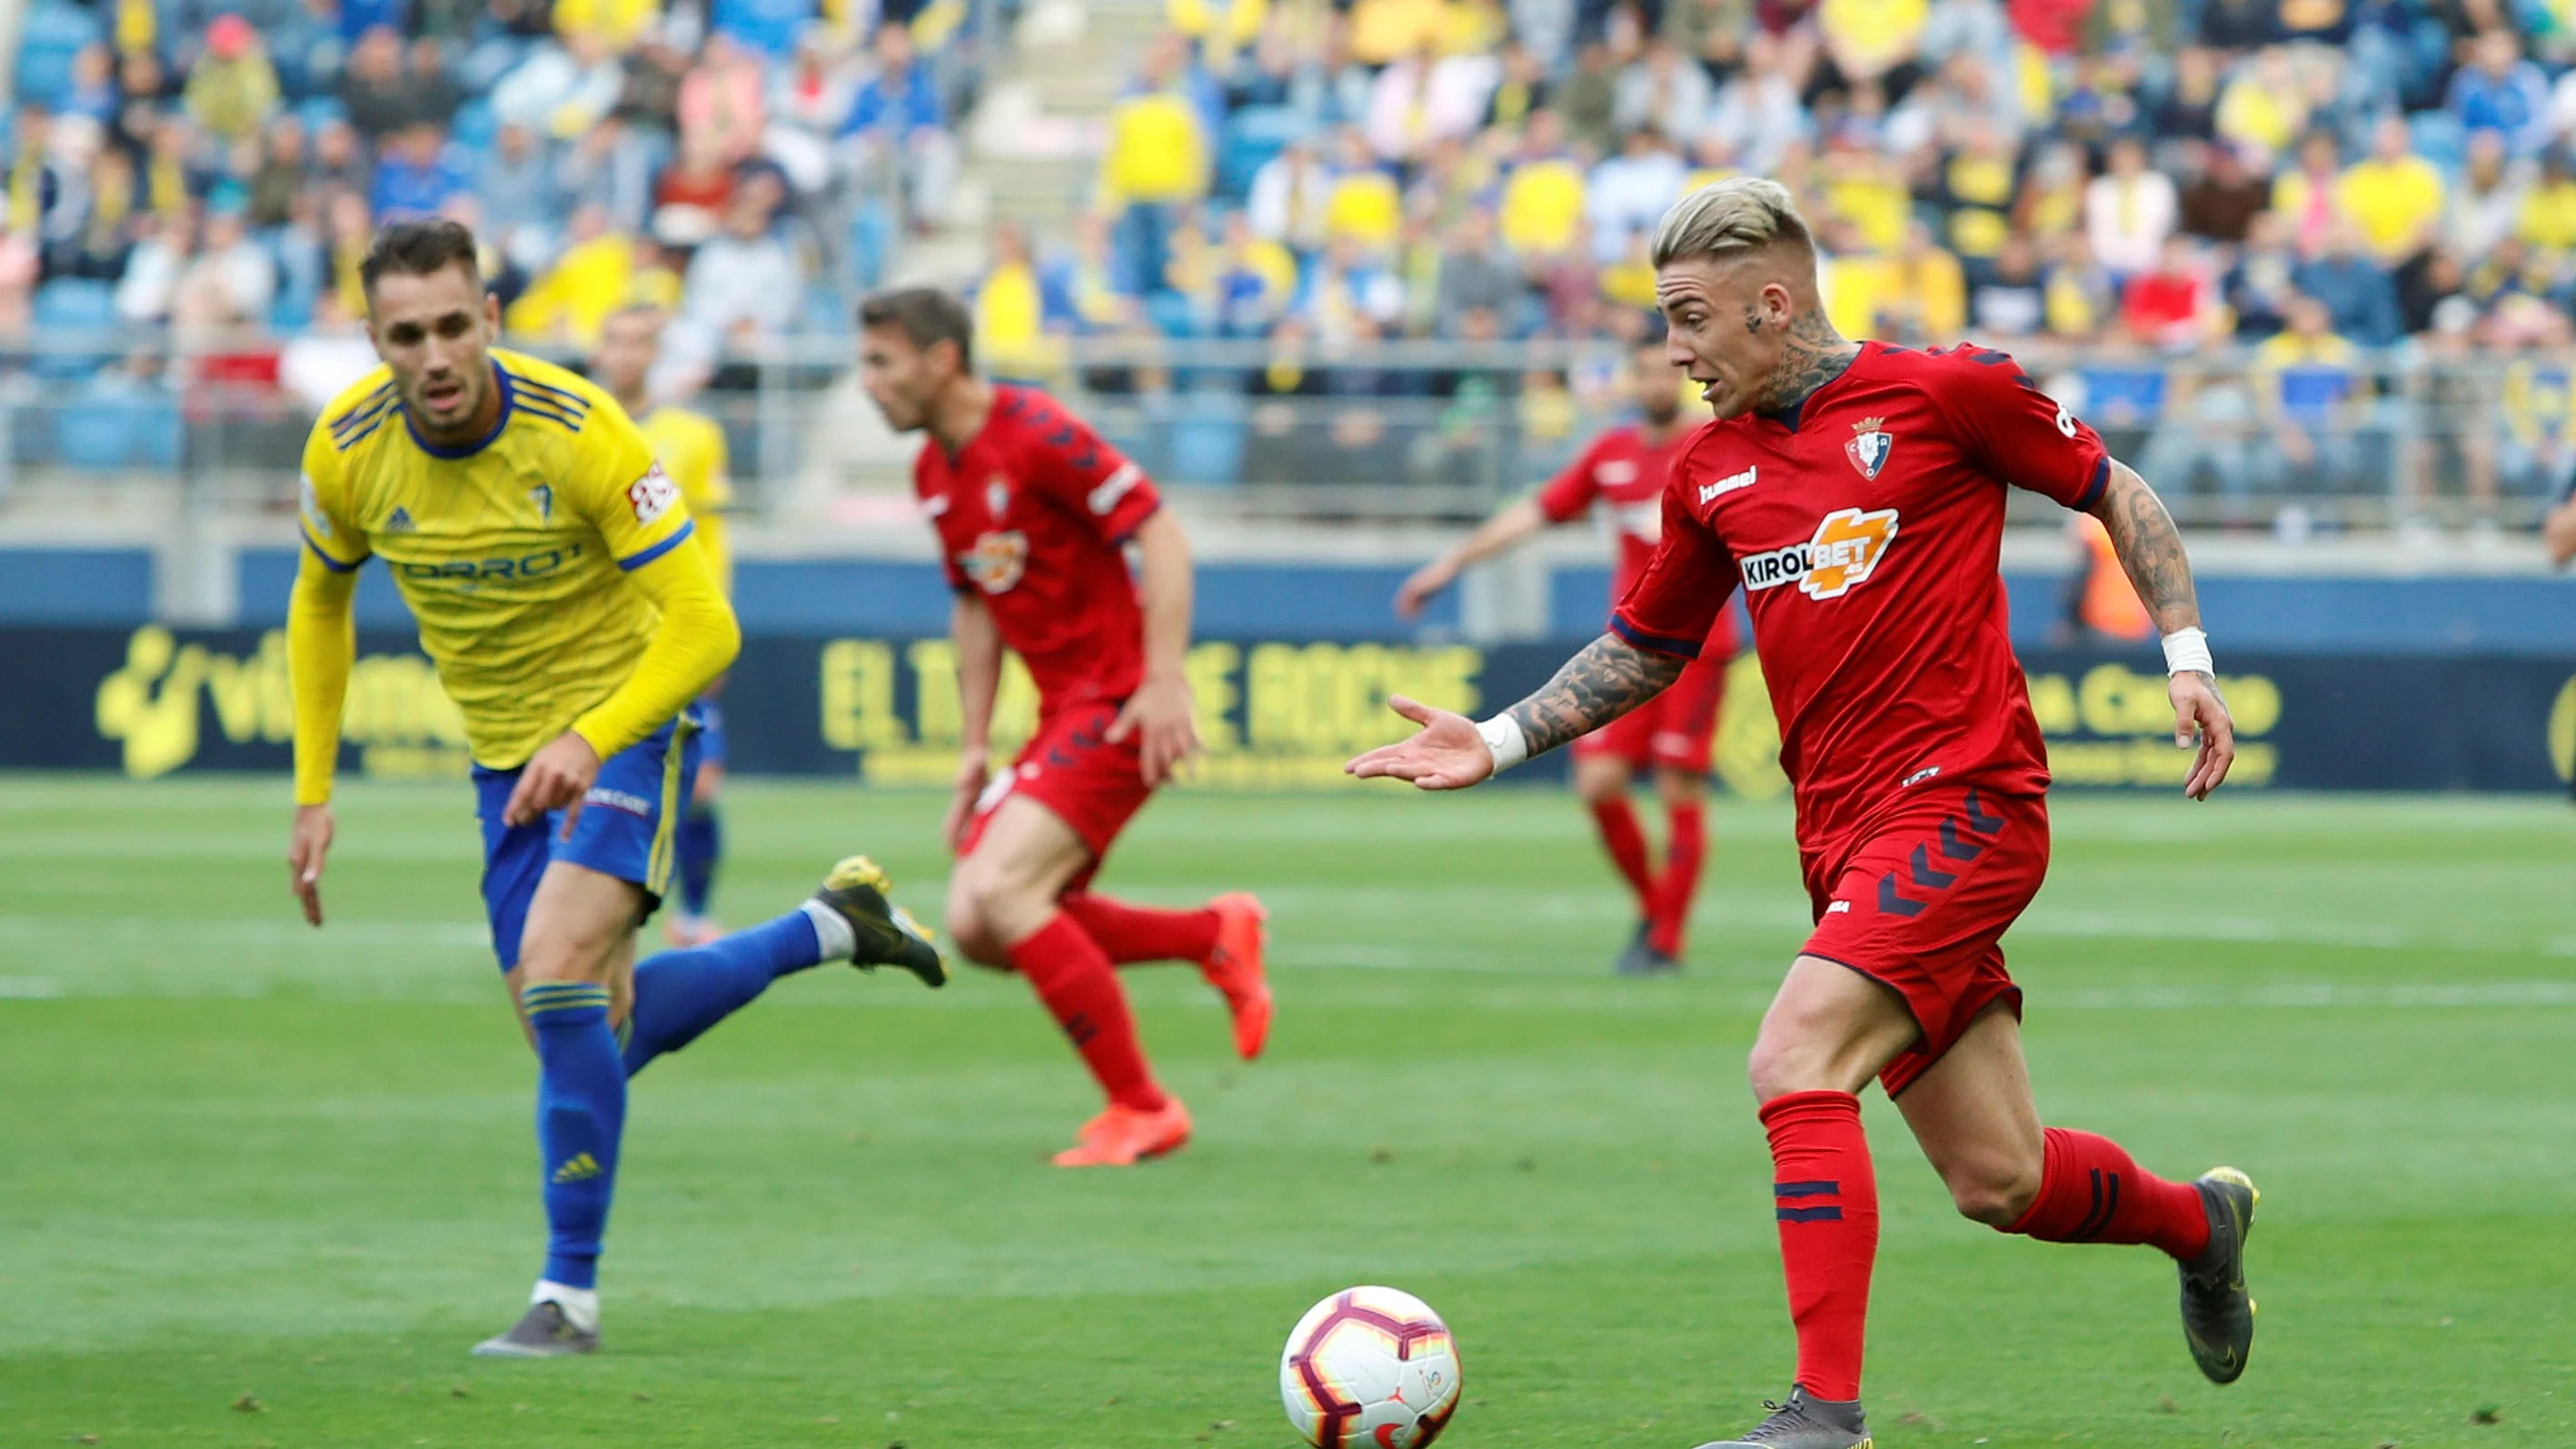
<point x="1815" y="355"/>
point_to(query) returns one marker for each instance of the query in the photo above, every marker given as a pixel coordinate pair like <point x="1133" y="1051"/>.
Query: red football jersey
<point x="1032" y="514"/>
<point x="1865" y="526"/>
<point x="1623" y="474"/>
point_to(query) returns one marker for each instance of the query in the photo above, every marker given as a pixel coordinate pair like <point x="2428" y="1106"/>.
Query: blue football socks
<point x="698" y="841"/>
<point x="581" y="1110"/>
<point x="679" y="994"/>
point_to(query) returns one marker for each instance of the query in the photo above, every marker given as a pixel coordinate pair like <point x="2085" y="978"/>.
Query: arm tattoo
<point x="1815" y="354"/>
<point x="2143" y="535"/>
<point x="1608" y="679"/>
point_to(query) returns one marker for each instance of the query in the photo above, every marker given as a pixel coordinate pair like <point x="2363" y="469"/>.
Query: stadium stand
<point x="2310" y="262"/>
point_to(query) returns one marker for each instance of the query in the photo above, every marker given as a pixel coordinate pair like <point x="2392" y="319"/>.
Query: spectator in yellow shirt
<point x="1543" y="192"/>
<point x="2394" y="196"/>
<point x="615" y="24"/>
<point x="1382" y="30"/>
<point x="2548" y="218"/>
<point x="1156" y="162"/>
<point x="1361" y="203"/>
<point x="2264" y="106"/>
<point x="593" y="277"/>
<point x="1010" y="310"/>
<point x="1869" y="38"/>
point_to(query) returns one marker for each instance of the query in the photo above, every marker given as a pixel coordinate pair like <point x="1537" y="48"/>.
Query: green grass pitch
<point x="263" y="1186"/>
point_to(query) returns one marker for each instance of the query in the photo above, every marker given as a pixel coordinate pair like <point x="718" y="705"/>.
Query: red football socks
<point x="2091" y="1192"/>
<point x="1682" y="856"/>
<point x="1134" y="934"/>
<point x="1626" y="843"/>
<point x="1827" y="1196"/>
<point x="1072" y="975"/>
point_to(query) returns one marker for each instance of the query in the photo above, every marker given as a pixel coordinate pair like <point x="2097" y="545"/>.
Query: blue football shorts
<point x="625" y="828"/>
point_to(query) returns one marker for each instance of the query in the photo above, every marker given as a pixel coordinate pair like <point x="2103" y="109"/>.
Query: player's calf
<point x="1993" y="1183"/>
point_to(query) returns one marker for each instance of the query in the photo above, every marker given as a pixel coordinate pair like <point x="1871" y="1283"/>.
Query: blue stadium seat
<point x="475" y="125"/>
<point x="2440" y="139"/>
<point x="1208" y="439"/>
<point x="319" y="111"/>
<point x="53" y="34"/>
<point x="1252" y="137"/>
<point x="73" y="307"/>
<point x="119" y="430"/>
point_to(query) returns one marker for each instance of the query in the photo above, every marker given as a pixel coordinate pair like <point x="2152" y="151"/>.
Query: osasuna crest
<point x="1869" y="446"/>
<point x="997" y="496"/>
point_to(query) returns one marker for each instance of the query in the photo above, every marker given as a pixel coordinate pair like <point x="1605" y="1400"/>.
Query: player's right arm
<point x="1506" y="530"/>
<point x="1563" y="499"/>
<point x="321" y="646"/>
<point x="1654" y="634"/>
<point x="978" y="642"/>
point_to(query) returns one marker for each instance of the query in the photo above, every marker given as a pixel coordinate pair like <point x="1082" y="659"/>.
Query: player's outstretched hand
<point x="1447" y="754"/>
<point x="1420" y="589"/>
<point x="306" y="850"/>
<point x="2199" y="712"/>
<point x="974" y="771"/>
<point x="556" y="778"/>
<point x="1160" y="710"/>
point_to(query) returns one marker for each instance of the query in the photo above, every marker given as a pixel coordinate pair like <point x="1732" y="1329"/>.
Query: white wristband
<point x="2187" y="649"/>
<point x="1503" y="736"/>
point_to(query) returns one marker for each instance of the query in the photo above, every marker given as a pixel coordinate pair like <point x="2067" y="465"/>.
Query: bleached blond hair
<point x="1732" y="218"/>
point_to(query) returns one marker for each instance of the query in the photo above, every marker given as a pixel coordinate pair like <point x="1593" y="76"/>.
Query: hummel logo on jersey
<point x="400" y="522"/>
<point x="1729" y="483"/>
<point x="580" y="1167"/>
<point x="1848" y="545"/>
<point x="1869" y="446"/>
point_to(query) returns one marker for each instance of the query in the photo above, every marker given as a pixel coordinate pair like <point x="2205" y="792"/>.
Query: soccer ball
<point x="1370" y="1368"/>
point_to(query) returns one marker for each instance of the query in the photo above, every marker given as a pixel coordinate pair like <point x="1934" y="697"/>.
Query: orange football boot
<point x="1123" y="1136"/>
<point x="1234" y="969"/>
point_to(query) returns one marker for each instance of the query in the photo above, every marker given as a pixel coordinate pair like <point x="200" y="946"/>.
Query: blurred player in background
<point x="572" y="621"/>
<point x="691" y="448"/>
<point x="1033" y="512"/>
<point x="1622" y="476"/>
<point x="1857" y="492"/>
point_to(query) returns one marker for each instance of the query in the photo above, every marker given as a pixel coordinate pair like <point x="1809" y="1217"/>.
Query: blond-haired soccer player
<point x="691" y="449"/>
<point x="1856" y="492"/>
<point x="547" y="560"/>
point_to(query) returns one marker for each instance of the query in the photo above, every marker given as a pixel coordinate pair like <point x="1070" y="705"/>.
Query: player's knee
<point x="1782" y="1063"/>
<point x="968" y="930"/>
<point x="554" y="957"/>
<point x="1599" y="786"/>
<point x="1995" y="1191"/>
<point x="1680" y="787"/>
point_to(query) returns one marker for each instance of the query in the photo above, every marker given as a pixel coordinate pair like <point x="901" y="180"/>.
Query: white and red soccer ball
<point x="1370" y="1368"/>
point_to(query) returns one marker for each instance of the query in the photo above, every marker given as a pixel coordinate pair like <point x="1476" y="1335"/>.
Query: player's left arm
<point x="640" y="516"/>
<point x="2014" y="432"/>
<point x="2151" y="553"/>
<point x="1161" y="707"/>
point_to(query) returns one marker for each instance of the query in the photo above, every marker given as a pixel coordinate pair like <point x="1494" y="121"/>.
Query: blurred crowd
<point x="2339" y="187"/>
<point x="218" y="166"/>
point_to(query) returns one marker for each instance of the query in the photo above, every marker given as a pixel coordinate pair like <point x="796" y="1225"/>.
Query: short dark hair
<point x="926" y="316"/>
<point x="421" y="248"/>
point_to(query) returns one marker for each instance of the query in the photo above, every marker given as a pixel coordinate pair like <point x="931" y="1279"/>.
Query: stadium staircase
<point x="1033" y="145"/>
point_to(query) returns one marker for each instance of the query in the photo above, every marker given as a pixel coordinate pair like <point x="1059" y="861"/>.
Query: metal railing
<point x="1409" y="430"/>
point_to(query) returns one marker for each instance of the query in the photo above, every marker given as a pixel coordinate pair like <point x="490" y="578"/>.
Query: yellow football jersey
<point x="692" y="449"/>
<point x="512" y="553"/>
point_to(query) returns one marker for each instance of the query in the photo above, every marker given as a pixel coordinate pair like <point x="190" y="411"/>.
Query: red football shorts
<point x="1921" y="902"/>
<point x="1071" y="767"/>
<point x="1676" y="730"/>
